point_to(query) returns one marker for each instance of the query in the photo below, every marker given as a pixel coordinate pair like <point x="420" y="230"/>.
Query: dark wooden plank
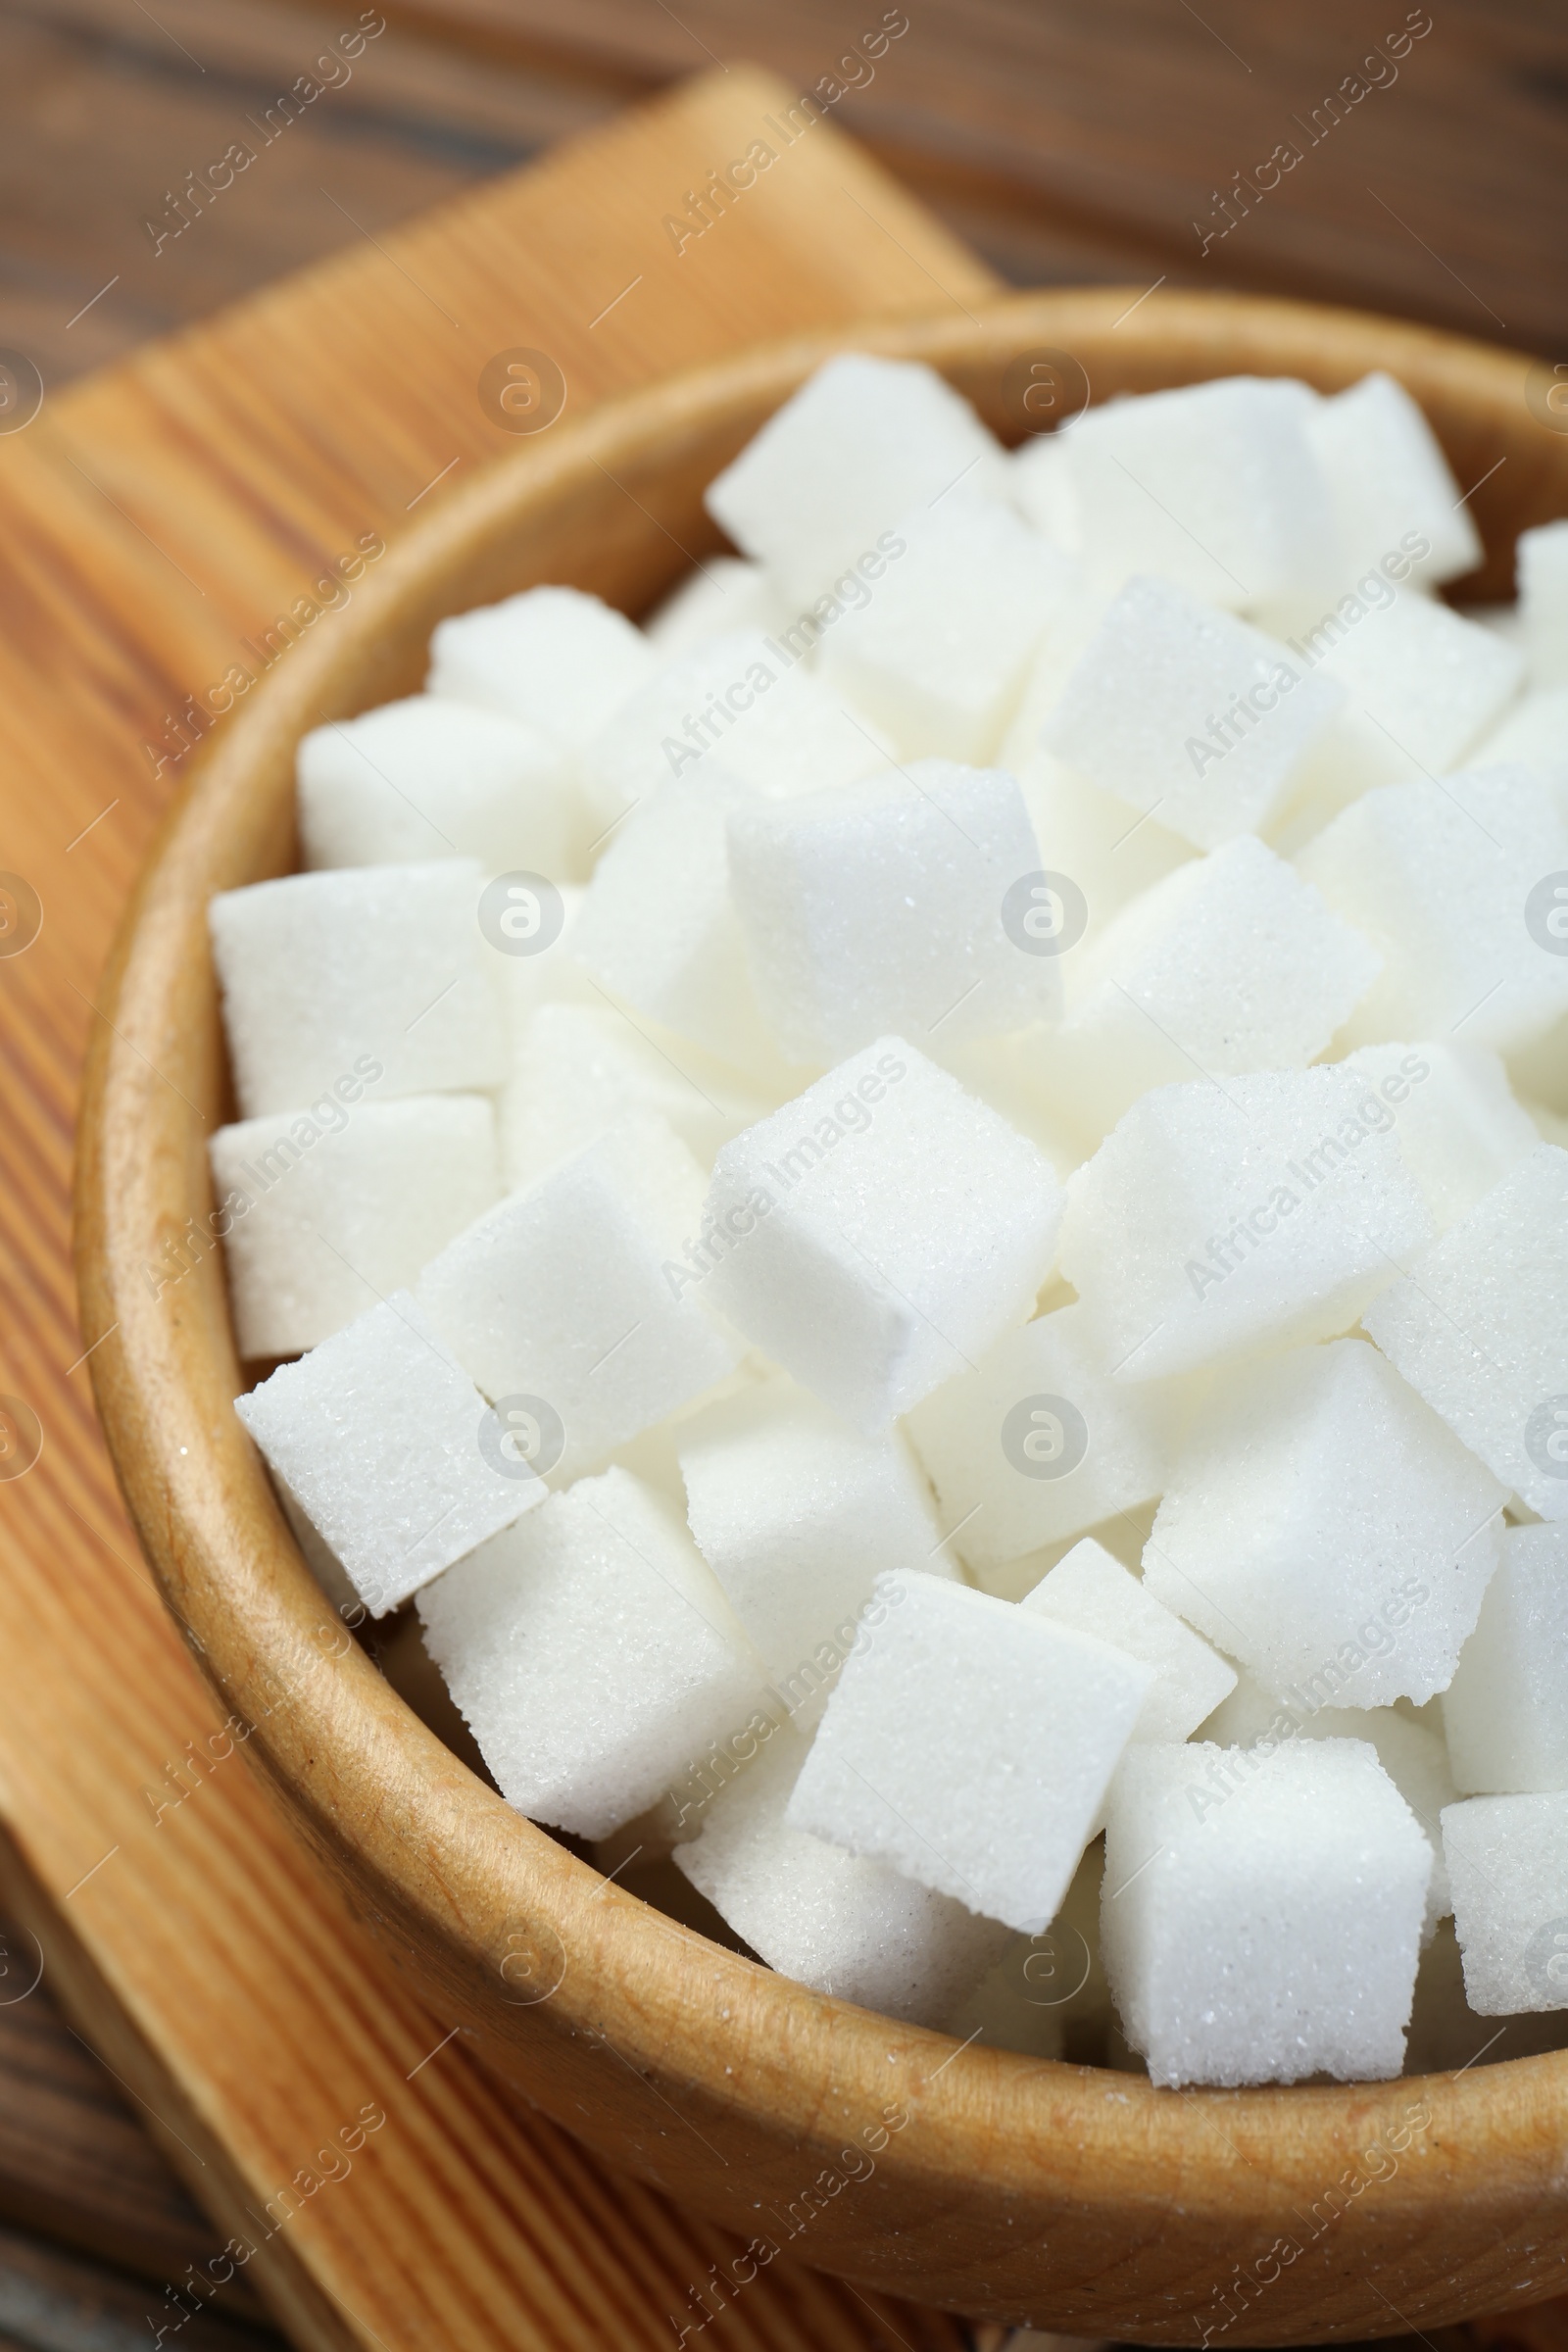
<point x="76" y="2163"/>
<point x="1062" y="135"/>
<point x="56" y="2302"/>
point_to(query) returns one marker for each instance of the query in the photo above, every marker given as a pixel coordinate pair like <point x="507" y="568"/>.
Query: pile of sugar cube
<point x="925" y="1204"/>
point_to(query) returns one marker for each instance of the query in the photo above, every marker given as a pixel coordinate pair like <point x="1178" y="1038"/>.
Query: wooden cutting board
<point x="364" y="2174"/>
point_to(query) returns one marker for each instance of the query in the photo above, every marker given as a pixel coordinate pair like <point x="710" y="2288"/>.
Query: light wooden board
<point x="150" y="521"/>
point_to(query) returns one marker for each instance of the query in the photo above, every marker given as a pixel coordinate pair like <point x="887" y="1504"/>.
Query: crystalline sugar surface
<point x="377" y="1434"/>
<point x="1324" y="1527"/>
<point x="331" y="973"/>
<point x="330" y="1212"/>
<point x="1219" y="1220"/>
<point x="877" y="1233"/>
<point x="592" y="1655"/>
<point x="970" y="1744"/>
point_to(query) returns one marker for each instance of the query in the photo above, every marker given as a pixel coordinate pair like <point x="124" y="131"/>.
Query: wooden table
<point x="221" y="2001"/>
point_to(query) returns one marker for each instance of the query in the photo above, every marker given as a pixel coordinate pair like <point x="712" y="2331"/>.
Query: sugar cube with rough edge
<point x="1509" y="1867"/>
<point x="1187" y="714"/>
<point x="840" y="1922"/>
<point x="936" y="650"/>
<point x="1412" y="1754"/>
<point x="559" y="1295"/>
<point x="557" y="657"/>
<point x="1532" y="733"/>
<point x="659" y="926"/>
<point x="1390" y="485"/>
<point x="1453" y="882"/>
<point x="1231" y="963"/>
<point x="1505" y="1712"/>
<point x="376" y="1435"/>
<point x="1038" y="1443"/>
<point x="1458" y="1125"/>
<point x="1095" y="1592"/>
<point x="744" y="706"/>
<point x="720" y="595"/>
<point x="319" y="1558"/>
<point x="902" y="902"/>
<point x="797" y="1514"/>
<point x="1325" y="1528"/>
<point x="1213" y="486"/>
<point x="326" y="1215"/>
<point x="592" y="1655"/>
<point x="369" y="972"/>
<point x="862" y="442"/>
<point x="1479" y="1328"/>
<point x="431" y="778"/>
<point x="1541" y="558"/>
<point x="1267" y="1931"/>
<point x="579" y="1069"/>
<point x="877" y="1233"/>
<point x="1221" y="1220"/>
<point x="970" y="1744"/>
<point x="1421" y="685"/>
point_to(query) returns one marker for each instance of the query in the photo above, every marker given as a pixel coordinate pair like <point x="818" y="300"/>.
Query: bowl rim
<point x="459" y="1880"/>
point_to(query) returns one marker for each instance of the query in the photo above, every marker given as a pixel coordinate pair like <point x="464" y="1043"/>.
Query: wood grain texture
<point x="151" y="522"/>
<point x="1012" y="2188"/>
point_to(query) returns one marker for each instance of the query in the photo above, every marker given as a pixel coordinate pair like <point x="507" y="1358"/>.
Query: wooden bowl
<point x="1082" y="2200"/>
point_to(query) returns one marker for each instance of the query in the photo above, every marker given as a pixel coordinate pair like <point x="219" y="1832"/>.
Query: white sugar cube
<point x="328" y="1210"/>
<point x="904" y="901"/>
<point x="1542" y="561"/>
<point x="430" y="778"/>
<point x="877" y="1233"/>
<point x="1480" y="1329"/>
<point x="744" y="706"/>
<point x="1508" y="1866"/>
<point x="1269" y="1930"/>
<point x="559" y="1297"/>
<point x="1038" y="1443"/>
<point x="720" y="595"/>
<point x="592" y="1654"/>
<point x="1533" y="733"/>
<point x="1040" y="484"/>
<point x="1189" y="715"/>
<point x="1421" y="684"/>
<point x="580" y="1068"/>
<point x="797" y="1515"/>
<point x="841" y="1924"/>
<point x="555" y="657"/>
<point x="1459" y="1126"/>
<point x="970" y="1744"/>
<point x="1323" y="1526"/>
<point x="1095" y="1594"/>
<point x="860" y="443"/>
<point x="659" y="926"/>
<point x="377" y="1433"/>
<point x="1389" y="484"/>
<point x="373" y="971"/>
<point x="1214" y="486"/>
<point x="1218" y="1219"/>
<point x="1453" y="882"/>
<point x="937" y="651"/>
<point x="1231" y="963"/>
<point x="1413" y="1754"/>
<point x="1506" y="1713"/>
